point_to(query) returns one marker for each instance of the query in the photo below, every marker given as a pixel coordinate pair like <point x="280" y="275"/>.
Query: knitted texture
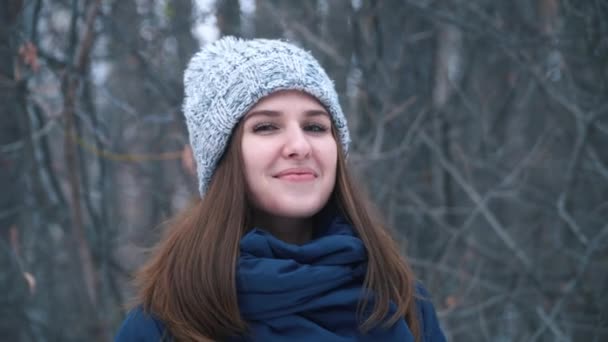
<point x="226" y="78"/>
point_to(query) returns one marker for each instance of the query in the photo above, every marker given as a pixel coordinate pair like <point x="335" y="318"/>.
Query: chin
<point x="296" y="208"/>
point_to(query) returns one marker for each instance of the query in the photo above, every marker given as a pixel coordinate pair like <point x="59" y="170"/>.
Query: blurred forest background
<point x="478" y="129"/>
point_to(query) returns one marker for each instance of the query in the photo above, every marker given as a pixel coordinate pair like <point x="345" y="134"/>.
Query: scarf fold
<point x="307" y="292"/>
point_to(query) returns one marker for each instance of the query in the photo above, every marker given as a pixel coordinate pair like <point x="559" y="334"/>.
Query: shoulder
<point x="140" y="326"/>
<point x="429" y="323"/>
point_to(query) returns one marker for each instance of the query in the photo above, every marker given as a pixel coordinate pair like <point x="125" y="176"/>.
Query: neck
<point x="291" y="230"/>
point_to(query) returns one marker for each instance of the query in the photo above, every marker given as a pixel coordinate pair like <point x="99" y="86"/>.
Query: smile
<point x="297" y="175"/>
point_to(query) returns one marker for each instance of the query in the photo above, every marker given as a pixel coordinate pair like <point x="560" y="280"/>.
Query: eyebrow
<point x="274" y="113"/>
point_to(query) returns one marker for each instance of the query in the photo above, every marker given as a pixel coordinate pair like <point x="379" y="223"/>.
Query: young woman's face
<point x="290" y="155"/>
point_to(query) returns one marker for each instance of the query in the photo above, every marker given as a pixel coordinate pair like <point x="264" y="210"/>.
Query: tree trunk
<point x="13" y="286"/>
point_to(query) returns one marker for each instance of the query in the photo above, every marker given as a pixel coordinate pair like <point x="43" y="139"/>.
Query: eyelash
<point x="311" y="127"/>
<point x="318" y="128"/>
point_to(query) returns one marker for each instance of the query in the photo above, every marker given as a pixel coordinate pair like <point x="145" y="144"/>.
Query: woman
<point x="281" y="245"/>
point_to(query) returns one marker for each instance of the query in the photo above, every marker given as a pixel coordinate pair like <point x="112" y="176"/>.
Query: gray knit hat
<point x="228" y="77"/>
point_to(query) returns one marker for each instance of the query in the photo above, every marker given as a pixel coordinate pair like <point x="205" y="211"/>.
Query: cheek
<point x="256" y="163"/>
<point x="249" y="161"/>
<point x="329" y="156"/>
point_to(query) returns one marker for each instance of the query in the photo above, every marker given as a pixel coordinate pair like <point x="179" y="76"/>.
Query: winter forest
<point x="477" y="130"/>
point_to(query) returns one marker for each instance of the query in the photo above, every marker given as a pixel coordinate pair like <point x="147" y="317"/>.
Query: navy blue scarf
<point x="307" y="293"/>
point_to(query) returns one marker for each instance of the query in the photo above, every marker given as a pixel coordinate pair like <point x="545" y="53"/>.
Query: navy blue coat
<point x="303" y="292"/>
<point x="142" y="327"/>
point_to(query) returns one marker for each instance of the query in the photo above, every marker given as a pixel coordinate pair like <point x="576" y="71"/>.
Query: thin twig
<point x="595" y="244"/>
<point x="478" y="200"/>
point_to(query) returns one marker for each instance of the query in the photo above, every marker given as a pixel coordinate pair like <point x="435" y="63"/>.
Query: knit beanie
<point x="226" y="78"/>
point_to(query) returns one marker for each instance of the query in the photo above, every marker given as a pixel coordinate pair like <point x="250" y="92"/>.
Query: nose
<point x="296" y="145"/>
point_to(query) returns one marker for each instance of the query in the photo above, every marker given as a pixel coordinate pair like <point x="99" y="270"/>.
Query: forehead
<point x="288" y="101"/>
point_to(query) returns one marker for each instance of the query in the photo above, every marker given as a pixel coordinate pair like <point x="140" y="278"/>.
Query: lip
<point x="297" y="174"/>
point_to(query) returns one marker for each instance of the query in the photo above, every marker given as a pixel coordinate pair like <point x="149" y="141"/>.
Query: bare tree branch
<point x="477" y="199"/>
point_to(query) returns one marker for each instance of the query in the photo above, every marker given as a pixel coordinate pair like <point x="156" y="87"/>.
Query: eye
<point x="264" y="127"/>
<point x="316" y="127"/>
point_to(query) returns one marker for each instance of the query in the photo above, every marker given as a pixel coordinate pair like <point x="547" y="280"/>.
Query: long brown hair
<point x="190" y="281"/>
